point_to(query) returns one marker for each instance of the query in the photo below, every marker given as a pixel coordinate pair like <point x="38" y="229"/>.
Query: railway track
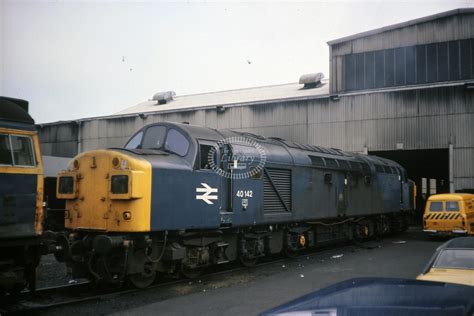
<point x="57" y="296"/>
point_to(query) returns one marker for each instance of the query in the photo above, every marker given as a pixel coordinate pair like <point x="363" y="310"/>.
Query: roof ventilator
<point x="164" y="97"/>
<point x="311" y="80"/>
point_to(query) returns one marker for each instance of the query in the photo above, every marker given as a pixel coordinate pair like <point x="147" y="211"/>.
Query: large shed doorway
<point x="429" y="168"/>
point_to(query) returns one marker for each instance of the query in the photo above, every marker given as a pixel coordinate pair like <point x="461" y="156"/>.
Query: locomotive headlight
<point x="119" y="184"/>
<point x="126" y="184"/>
<point x="66" y="186"/>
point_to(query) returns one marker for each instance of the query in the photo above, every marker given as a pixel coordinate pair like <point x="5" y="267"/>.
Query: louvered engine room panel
<point x="281" y="179"/>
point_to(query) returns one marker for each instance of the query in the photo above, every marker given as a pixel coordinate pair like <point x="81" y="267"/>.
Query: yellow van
<point x="449" y="214"/>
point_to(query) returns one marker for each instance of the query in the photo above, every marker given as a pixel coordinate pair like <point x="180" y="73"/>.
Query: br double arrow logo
<point x="207" y="195"/>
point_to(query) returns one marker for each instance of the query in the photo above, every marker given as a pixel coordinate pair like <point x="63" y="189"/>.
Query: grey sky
<point x="75" y="59"/>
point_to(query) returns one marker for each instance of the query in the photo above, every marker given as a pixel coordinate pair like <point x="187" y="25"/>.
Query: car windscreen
<point x="455" y="259"/>
<point x="436" y="206"/>
<point x="452" y="206"/>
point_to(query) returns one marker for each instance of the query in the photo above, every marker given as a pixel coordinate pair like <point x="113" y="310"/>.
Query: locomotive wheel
<point x="141" y="281"/>
<point x="248" y="262"/>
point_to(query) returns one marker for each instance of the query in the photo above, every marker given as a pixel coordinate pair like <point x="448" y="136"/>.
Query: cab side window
<point x="206" y="155"/>
<point x="5" y="151"/>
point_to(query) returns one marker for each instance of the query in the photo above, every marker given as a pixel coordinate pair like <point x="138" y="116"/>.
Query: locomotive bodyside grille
<point x="277" y="190"/>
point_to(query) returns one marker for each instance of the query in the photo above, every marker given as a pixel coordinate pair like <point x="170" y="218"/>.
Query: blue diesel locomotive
<point x="179" y="198"/>
<point x="21" y="199"/>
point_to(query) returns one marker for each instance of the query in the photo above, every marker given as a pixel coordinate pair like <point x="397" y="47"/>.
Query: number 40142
<point x="244" y="193"/>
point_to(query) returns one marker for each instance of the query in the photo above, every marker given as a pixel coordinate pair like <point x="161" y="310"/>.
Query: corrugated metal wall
<point x="451" y="28"/>
<point x="59" y="139"/>
<point x="418" y="119"/>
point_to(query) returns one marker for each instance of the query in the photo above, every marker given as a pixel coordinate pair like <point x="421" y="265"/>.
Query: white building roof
<point x="283" y="92"/>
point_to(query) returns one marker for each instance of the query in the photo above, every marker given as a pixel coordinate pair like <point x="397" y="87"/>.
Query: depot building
<point x="404" y="92"/>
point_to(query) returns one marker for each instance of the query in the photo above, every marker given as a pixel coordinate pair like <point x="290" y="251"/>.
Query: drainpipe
<point x="451" y="169"/>
<point x="79" y="137"/>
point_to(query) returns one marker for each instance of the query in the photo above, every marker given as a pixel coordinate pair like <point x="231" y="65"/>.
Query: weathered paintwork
<point x="21" y="191"/>
<point x="170" y="202"/>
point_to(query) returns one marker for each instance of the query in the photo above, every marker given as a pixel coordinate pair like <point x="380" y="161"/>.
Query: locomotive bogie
<point x="139" y="258"/>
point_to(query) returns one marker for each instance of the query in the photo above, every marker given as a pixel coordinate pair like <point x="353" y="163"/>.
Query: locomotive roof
<point x="14" y="111"/>
<point x="293" y="152"/>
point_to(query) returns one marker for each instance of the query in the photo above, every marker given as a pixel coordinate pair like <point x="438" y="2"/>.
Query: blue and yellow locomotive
<point x="178" y="198"/>
<point x="21" y="199"/>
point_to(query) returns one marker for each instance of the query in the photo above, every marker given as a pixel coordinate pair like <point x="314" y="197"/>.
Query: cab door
<point x="244" y="184"/>
<point x="212" y="166"/>
<point x="226" y="173"/>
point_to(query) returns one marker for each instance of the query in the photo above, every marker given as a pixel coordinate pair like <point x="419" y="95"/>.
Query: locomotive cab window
<point x="176" y="142"/>
<point x="22" y="149"/>
<point x="16" y="150"/>
<point x="6" y="157"/>
<point x="154" y="137"/>
<point x="135" y="142"/>
<point x="205" y="159"/>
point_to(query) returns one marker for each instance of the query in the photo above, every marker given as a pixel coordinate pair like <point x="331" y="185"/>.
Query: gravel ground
<point x="254" y="290"/>
<point x="51" y="272"/>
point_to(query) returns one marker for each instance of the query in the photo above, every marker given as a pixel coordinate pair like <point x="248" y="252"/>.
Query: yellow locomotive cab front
<point x="449" y="214"/>
<point x="106" y="191"/>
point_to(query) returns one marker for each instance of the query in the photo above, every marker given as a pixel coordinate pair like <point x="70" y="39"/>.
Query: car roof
<point x="451" y="196"/>
<point x="378" y="296"/>
<point x="458" y="243"/>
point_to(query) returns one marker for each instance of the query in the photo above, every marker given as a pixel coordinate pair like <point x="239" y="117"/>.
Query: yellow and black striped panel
<point x="443" y="216"/>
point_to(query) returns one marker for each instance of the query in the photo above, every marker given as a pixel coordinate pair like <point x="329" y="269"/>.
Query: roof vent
<point x="164" y="97"/>
<point x="311" y="80"/>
